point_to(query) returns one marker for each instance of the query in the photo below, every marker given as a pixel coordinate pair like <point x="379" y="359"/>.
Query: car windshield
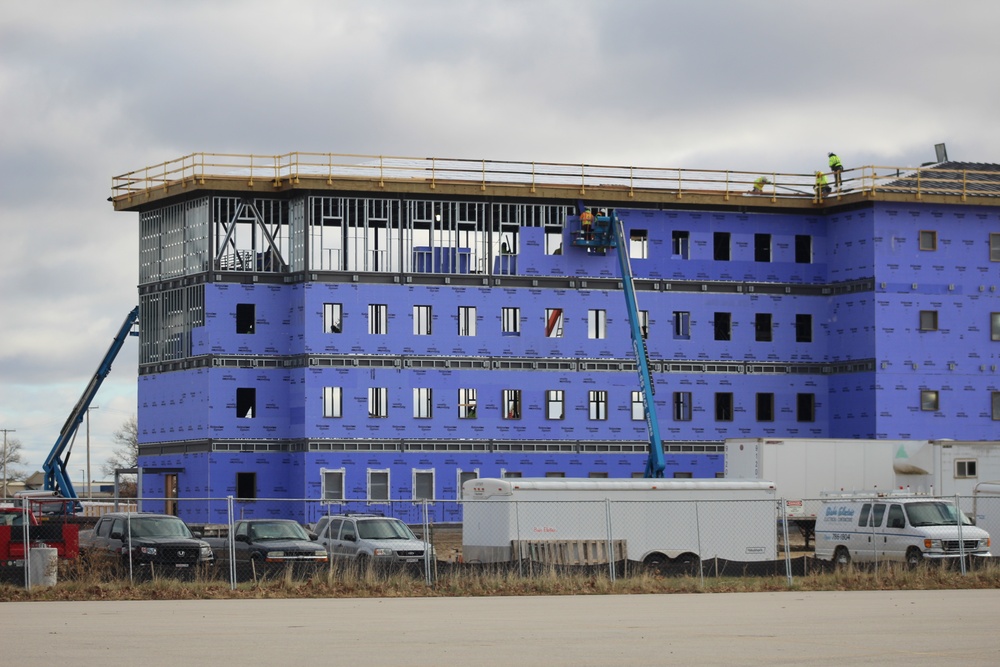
<point x="934" y="514"/>
<point x="158" y="527"/>
<point x="277" y="530"/>
<point x="384" y="529"/>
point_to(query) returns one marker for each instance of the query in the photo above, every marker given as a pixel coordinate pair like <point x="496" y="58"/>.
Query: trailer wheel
<point x="914" y="557"/>
<point x="689" y="562"/>
<point x="842" y="556"/>
<point x="655" y="561"/>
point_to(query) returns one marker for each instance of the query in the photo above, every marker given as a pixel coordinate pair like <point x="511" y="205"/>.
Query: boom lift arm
<point x="598" y="233"/>
<point x="54" y="468"/>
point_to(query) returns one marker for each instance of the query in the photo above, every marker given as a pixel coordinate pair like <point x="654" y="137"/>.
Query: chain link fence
<point x="239" y="541"/>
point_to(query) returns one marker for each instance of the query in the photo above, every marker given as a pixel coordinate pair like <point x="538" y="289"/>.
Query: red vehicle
<point x="14" y="533"/>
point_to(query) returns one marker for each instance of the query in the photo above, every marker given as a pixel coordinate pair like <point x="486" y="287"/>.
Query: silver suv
<point x="364" y="537"/>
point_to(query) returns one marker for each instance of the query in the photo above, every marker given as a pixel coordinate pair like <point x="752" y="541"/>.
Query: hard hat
<point x="829" y="154"/>
<point x="819" y="173"/>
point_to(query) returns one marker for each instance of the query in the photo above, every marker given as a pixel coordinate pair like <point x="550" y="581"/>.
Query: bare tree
<point x="126" y="452"/>
<point x="12" y="458"/>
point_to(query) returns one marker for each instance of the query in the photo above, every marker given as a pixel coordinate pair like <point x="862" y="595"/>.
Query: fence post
<point x="697" y="526"/>
<point x="788" y="550"/>
<point x="26" y="528"/>
<point x="517" y="526"/>
<point x="611" y="542"/>
<point x="427" y="538"/>
<point x="961" y="542"/>
<point x="231" y="543"/>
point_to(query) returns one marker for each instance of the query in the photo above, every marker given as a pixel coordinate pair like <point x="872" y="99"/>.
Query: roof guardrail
<point x="279" y="170"/>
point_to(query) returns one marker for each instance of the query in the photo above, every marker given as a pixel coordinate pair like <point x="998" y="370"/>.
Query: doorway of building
<point x="170" y="493"/>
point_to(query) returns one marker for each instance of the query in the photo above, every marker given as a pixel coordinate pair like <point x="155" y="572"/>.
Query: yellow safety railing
<point x="277" y="170"/>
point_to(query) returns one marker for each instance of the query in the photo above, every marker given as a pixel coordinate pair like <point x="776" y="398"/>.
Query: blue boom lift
<point x="597" y="233"/>
<point x="55" y="464"/>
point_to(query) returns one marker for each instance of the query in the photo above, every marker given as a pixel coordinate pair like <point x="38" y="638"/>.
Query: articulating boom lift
<point x="54" y="468"/>
<point x="598" y="233"/>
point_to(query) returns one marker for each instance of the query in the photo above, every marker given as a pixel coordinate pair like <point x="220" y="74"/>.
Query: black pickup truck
<point x="269" y="541"/>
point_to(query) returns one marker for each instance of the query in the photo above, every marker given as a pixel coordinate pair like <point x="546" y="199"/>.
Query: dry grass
<point x="77" y="582"/>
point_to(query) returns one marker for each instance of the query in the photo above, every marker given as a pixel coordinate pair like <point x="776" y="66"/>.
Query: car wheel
<point x="842" y="556"/>
<point x="914" y="557"/>
<point x="655" y="561"/>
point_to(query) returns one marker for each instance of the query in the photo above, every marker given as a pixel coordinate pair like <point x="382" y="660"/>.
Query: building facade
<point x="370" y="333"/>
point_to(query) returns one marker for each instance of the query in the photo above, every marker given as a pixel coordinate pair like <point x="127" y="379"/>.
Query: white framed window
<point x="423" y="484"/>
<point x="965" y="468"/>
<point x="378" y="402"/>
<point x="378" y="486"/>
<point x="332" y="483"/>
<point x="555" y="407"/>
<point x="466" y="320"/>
<point x="597" y="324"/>
<point x="332" y="402"/>
<point x="422" y="320"/>
<point x="638" y="406"/>
<point x="463" y="476"/>
<point x="597" y="400"/>
<point x="422" y="402"/>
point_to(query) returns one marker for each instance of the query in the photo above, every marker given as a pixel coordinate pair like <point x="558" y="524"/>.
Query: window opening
<point x="422" y="320"/>
<point x="803" y="249"/>
<point x="466" y="320"/>
<point x="422" y="402"/>
<point x="378" y="485"/>
<point x="762" y="247"/>
<point x="332" y="402"/>
<point x="511" y="403"/>
<point x="597" y="324"/>
<point x="638" y="244"/>
<point x="762" y="327"/>
<point x="378" y="318"/>
<point x="246" y="316"/>
<point x="682" y="325"/>
<point x="723" y="326"/>
<point x="553" y="322"/>
<point x="765" y="407"/>
<point x="720" y="246"/>
<point x="928" y="240"/>
<point x="928" y="400"/>
<point x="803" y="328"/>
<point x="246" y="402"/>
<point x="724" y="406"/>
<point x="805" y="407"/>
<point x="246" y="485"/>
<point x="510" y="319"/>
<point x="681" y="244"/>
<point x="423" y="485"/>
<point x="638" y="406"/>
<point x="466" y="403"/>
<point x="332" y="318"/>
<point x="333" y="485"/>
<point x="682" y="406"/>
<point x="378" y="402"/>
<point x="928" y="320"/>
<point x="965" y="468"/>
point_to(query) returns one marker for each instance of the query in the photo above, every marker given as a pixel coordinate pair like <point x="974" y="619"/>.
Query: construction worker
<point x="586" y="224"/>
<point x="836" y="167"/>
<point x="758" y="185"/>
<point x="822" y="186"/>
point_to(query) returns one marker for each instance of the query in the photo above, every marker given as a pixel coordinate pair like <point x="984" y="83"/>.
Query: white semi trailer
<point x="650" y="520"/>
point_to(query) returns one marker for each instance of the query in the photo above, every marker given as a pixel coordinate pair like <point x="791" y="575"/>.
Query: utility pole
<point x="5" y="432"/>
<point x="90" y="482"/>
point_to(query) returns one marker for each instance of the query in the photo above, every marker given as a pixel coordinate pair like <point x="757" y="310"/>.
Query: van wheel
<point x="842" y="556"/>
<point x="914" y="557"/>
<point x="689" y="562"/>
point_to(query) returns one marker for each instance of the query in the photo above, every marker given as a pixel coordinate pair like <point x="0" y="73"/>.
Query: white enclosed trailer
<point x="648" y="520"/>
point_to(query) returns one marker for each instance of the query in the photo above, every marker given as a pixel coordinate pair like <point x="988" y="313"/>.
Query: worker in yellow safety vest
<point x="822" y="186"/>
<point x="836" y="167"/>
<point x="758" y="185"/>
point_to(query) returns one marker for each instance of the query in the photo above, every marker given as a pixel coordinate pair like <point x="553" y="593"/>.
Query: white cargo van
<point x="895" y="528"/>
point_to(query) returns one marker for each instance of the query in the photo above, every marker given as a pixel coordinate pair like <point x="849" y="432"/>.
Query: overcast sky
<point x="93" y="89"/>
